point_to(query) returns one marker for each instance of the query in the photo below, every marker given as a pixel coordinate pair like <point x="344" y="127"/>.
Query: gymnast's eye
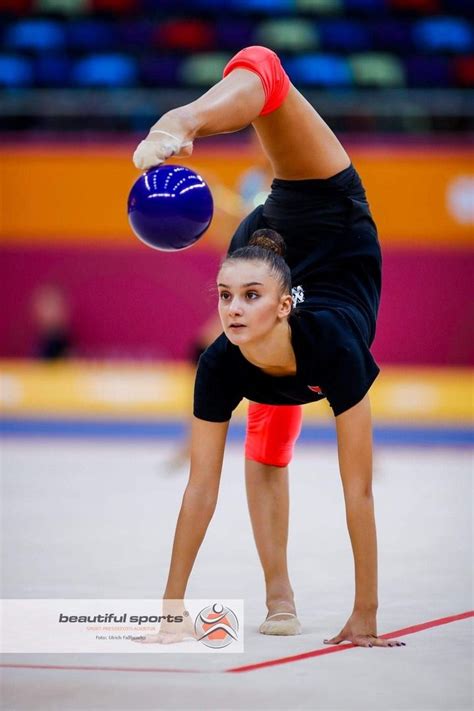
<point x="252" y="295"/>
<point x="224" y="295"/>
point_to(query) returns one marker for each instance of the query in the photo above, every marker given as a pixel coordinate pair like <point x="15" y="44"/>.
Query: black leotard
<point x="335" y="260"/>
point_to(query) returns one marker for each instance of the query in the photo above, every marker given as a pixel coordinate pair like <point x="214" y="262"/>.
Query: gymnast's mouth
<point x="237" y="326"/>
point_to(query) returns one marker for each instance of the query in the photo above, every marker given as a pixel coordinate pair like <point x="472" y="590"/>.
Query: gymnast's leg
<point x="271" y="434"/>
<point x="255" y="90"/>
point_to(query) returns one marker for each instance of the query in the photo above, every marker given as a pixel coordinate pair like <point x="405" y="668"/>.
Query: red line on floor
<point x="109" y="669"/>
<point x="341" y="648"/>
<point x="250" y="667"/>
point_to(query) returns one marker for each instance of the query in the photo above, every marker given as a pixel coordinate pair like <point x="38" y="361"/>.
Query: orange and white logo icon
<point x="216" y="626"/>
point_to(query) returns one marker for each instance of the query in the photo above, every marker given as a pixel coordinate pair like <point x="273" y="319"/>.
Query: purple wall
<point x="145" y="304"/>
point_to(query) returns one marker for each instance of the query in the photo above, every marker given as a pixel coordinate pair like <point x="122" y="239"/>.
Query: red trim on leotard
<point x="266" y="64"/>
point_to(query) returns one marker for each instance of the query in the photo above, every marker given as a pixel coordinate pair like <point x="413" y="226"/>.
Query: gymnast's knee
<point x="266" y="64"/>
<point x="272" y="431"/>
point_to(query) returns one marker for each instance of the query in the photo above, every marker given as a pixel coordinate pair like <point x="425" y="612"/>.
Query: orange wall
<point x="58" y="194"/>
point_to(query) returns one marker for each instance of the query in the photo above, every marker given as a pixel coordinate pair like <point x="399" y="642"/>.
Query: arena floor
<point x="95" y="519"/>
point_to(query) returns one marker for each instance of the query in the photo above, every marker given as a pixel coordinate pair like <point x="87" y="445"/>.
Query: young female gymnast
<point x="294" y="332"/>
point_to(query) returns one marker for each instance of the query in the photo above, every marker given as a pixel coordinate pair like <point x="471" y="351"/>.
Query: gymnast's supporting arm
<point x="354" y="438"/>
<point x="199" y="502"/>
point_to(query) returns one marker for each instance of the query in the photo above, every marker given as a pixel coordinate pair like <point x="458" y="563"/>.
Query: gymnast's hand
<point x="171" y="632"/>
<point x="158" y="146"/>
<point x="361" y="630"/>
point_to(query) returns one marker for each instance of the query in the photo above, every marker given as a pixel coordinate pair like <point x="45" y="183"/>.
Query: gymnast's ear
<point x="285" y="306"/>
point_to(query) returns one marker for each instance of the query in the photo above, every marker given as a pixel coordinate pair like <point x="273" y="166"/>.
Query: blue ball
<point x="170" y="207"/>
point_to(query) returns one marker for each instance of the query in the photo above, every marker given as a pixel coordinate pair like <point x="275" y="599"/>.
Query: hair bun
<point x="268" y="239"/>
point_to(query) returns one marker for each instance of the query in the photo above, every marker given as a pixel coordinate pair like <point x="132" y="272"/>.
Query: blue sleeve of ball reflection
<point x="170" y="207"/>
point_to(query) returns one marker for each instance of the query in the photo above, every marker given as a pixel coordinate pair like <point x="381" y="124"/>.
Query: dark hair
<point x="269" y="247"/>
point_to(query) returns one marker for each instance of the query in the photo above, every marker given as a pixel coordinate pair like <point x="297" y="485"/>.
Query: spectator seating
<point x="164" y="43"/>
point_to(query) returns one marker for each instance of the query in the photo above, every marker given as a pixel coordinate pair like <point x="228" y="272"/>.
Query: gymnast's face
<point x="251" y="304"/>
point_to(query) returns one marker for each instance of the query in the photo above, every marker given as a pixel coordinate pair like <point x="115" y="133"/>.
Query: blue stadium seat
<point x="92" y="34"/>
<point x="15" y="71"/>
<point x="442" y="34"/>
<point x="213" y="5"/>
<point x="460" y="6"/>
<point x="35" y="34"/>
<point x="366" y="6"/>
<point x="319" y="70"/>
<point x="160" y="71"/>
<point x="234" y="34"/>
<point x="343" y="35"/>
<point x="428" y="71"/>
<point x="167" y="5"/>
<point x="263" y="6"/>
<point x="105" y="70"/>
<point x="391" y="34"/>
<point x="53" y="69"/>
<point x="135" y="34"/>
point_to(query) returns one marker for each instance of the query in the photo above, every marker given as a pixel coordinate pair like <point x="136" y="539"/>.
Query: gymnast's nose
<point x="235" y="308"/>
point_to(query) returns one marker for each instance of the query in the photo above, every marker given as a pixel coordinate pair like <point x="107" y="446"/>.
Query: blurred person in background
<point x="51" y="318"/>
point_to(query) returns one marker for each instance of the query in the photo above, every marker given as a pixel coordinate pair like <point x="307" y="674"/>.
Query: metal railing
<point x="383" y="110"/>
